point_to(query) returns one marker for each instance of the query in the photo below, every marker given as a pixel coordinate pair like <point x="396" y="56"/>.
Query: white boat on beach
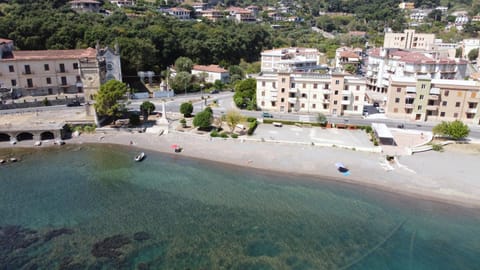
<point x="140" y="157"/>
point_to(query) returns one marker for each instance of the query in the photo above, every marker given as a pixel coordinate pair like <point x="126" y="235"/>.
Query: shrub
<point x="252" y="127"/>
<point x="224" y="135"/>
<point x="437" y="147"/>
<point x="134" y="119"/>
<point x="186" y="109"/>
<point x="183" y="122"/>
<point x="89" y="129"/>
<point x="251" y="119"/>
<point x="214" y="133"/>
<point x="234" y="135"/>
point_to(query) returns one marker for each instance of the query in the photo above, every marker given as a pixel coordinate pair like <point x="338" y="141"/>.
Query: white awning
<point x="411" y="89"/>
<point x="435" y="91"/>
<point x="382" y="131"/>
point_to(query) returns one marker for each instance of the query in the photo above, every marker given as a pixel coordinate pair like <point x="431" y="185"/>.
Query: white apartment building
<point x="302" y="92"/>
<point x="385" y="63"/>
<point x="409" y="40"/>
<point x="123" y="3"/>
<point x="85" y="5"/>
<point x="54" y="72"/>
<point x="177" y="12"/>
<point x="290" y="59"/>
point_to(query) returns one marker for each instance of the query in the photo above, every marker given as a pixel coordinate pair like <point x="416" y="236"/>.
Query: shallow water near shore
<point x="93" y="207"/>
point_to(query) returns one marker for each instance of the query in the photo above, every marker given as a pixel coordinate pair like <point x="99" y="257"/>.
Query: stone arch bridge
<point x="35" y="134"/>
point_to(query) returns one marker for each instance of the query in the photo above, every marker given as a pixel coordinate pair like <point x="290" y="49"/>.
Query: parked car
<point x="215" y="91"/>
<point x="381" y="110"/>
<point x="267" y="115"/>
<point x="74" y="104"/>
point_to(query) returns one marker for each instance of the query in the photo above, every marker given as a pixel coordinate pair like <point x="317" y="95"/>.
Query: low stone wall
<point x="21" y="104"/>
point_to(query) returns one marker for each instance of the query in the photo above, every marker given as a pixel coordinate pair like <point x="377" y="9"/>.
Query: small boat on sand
<point x="2" y="161"/>
<point x="13" y="159"/>
<point x="140" y="157"/>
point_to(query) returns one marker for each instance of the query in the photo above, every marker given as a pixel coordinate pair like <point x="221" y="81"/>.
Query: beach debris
<point x="38" y="143"/>
<point x="177" y="148"/>
<point x="109" y="246"/>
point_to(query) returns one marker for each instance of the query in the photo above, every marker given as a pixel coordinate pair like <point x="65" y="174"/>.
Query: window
<point x="421" y="97"/>
<point x="283" y="80"/>
<point x="304" y="85"/>
<point x="303" y="105"/>
<point x="397" y="100"/>
<point x="263" y="93"/>
<point x="315" y="86"/>
<point x="282" y="100"/>
<point x="27" y="69"/>
<point x="336" y="92"/>
<point x="304" y="95"/>
<point x="444" y="103"/>
<point x="334" y="102"/>
<point x="357" y="98"/>
<point x="283" y="90"/>
<point x="263" y="103"/>
<point x="314" y="96"/>
<point x="29" y="83"/>
<point x="358" y="87"/>
<point x="314" y="106"/>
<point x="419" y="108"/>
<point x="49" y="80"/>
<point x="344" y="107"/>
<point x="11" y="68"/>
<point x="470" y="115"/>
<point x="442" y="114"/>
<point x="326" y="86"/>
<point x="455" y="115"/>
<point x="263" y="84"/>
<point x="395" y="110"/>
<point x="423" y="86"/>
<point x="345" y="98"/>
<point x="355" y="108"/>
<point x="46" y="67"/>
<point x="274" y="103"/>
<point x="62" y="67"/>
<point x="75" y="65"/>
<point x="457" y="104"/>
<point x="472" y="105"/>
<point x="14" y="82"/>
<point x="64" y="80"/>
<point x="337" y="81"/>
<point x="274" y="85"/>
<point x="446" y="93"/>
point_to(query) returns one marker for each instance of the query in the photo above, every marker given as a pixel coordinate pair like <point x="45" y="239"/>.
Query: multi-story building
<point x="85" y="5"/>
<point x="53" y="72"/>
<point x="348" y="56"/>
<point x="335" y="94"/>
<point x="213" y="15"/>
<point x="241" y="15"/>
<point x="406" y="5"/>
<point x="468" y="45"/>
<point x="423" y="99"/>
<point x="409" y="40"/>
<point x="384" y="63"/>
<point x="290" y="59"/>
<point x="177" y="12"/>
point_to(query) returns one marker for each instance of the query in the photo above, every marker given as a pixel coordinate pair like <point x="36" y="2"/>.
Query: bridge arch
<point x="47" y="135"/>
<point x="4" y="137"/>
<point x="24" y="136"/>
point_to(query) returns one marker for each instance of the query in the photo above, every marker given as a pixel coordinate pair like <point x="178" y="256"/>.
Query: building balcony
<point x="346" y="92"/>
<point x="326" y="91"/>
<point x="292" y="99"/>
<point x="62" y="71"/>
<point x="326" y="101"/>
<point x="471" y="110"/>
<point x="433" y="97"/>
<point x="411" y="95"/>
<point x="345" y="102"/>
<point x="408" y="105"/>
<point x="28" y="73"/>
<point x="432" y="107"/>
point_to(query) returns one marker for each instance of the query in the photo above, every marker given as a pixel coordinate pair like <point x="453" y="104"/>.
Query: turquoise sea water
<point x="93" y="207"/>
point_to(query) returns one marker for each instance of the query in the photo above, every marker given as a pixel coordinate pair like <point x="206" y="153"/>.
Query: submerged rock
<point x="108" y="247"/>
<point x="55" y="233"/>
<point x="14" y="237"/>
<point x="141" y="236"/>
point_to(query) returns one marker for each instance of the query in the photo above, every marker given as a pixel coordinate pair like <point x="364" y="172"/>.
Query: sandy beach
<point x="440" y="176"/>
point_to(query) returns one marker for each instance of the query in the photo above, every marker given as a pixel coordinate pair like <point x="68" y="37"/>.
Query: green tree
<point x="321" y="119"/>
<point x="245" y="93"/>
<point x="456" y="130"/>
<point x="473" y="54"/>
<point x="106" y="100"/>
<point x="183" y="64"/>
<point x="186" y="109"/>
<point x="181" y="82"/>
<point x="146" y="109"/>
<point x="203" y="120"/>
<point x="233" y="118"/>
<point x="350" y="68"/>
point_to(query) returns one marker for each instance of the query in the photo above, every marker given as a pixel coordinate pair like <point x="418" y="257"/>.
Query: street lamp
<point x="201" y="92"/>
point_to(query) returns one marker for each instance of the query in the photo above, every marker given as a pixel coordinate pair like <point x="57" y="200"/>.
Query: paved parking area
<point x="317" y="135"/>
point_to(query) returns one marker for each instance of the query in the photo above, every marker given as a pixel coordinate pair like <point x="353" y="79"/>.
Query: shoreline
<point x="313" y="162"/>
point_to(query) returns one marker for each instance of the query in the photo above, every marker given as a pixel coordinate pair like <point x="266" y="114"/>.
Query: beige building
<point x="290" y="60"/>
<point x="406" y="5"/>
<point x="54" y="72"/>
<point x="426" y="99"/>
<point x="334" y="94"/>
<point x="85" y="5"/>
<point x="213" y="15"/>
<point x="409" y="40"/>
<point x="211" y="73"/>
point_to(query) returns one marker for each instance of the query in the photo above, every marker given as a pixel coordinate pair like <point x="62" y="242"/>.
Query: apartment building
<point x="85" y="5"/>
<point x="385" y="63"/>
<point x="348" y="56"/>
<point x="426" y="99"/>
<point x="54" y="72"/>
<point x="123" y="3"/>
<point x="290" y="59"/>
<point x="409" y="40"/>
<point x="240" y="15"/>
<point x="177" y="12"/>
<point x="406" y="5"/>
<point x="333" y="94"/>
<point x="213" y="15"/>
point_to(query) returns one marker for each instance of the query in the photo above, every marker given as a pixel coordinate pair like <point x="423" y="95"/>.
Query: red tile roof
<point x="349" y="54"/>
<point x="210" y="68"/>
<point x="53" y="54"/>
